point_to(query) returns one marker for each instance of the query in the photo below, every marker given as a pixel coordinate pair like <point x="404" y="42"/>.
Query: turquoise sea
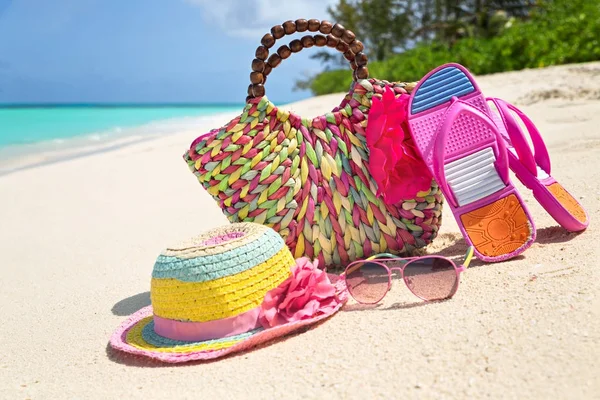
<point x="22" y="125"/>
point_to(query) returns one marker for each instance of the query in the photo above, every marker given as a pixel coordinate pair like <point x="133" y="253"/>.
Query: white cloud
<point x="254" y="18"/>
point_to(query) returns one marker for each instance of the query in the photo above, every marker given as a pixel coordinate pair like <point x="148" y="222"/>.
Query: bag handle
<point x="337" y="37"/>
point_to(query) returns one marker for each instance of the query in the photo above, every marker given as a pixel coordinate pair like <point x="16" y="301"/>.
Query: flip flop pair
<point x="469" y="150"/>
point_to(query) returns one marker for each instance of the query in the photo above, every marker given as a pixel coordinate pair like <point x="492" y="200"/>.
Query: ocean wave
<point x="26" y="155"/>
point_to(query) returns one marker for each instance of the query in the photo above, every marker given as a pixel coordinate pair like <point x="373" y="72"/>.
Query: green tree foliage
<point x="447" y="21"/>
<point x="382" y="25"/>
<point x="554" y="32"/>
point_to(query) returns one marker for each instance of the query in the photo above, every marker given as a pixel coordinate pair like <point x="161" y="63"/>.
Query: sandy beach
<point x="79" y="238"/>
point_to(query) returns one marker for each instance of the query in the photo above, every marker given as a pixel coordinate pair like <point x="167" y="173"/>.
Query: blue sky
<point x="144" y="50"/>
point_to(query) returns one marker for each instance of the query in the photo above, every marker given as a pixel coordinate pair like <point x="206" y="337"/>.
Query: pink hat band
<point x="199" y="331"/>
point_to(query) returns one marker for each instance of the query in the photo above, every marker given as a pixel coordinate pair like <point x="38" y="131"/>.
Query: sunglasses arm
<point x="468" y="258"/>
<point x="381" y="255"/>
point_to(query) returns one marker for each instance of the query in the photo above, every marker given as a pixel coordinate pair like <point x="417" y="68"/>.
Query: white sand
<point x="78" y="240"/>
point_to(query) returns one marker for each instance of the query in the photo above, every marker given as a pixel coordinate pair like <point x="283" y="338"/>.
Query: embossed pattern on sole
<point x="498" y="228"/>
<point x="568" y="201"/>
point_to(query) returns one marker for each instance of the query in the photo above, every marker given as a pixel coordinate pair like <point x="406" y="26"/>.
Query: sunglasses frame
<point x="382" y="258"/>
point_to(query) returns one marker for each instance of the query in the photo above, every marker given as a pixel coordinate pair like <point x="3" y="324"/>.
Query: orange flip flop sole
<point x="498" y="228"/>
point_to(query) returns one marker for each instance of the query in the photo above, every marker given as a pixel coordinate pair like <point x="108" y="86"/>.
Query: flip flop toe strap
<point x="439" y="151"/>
<point x="529" y="160"/>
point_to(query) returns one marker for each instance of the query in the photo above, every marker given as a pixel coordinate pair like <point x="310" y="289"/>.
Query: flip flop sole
<point x="501" y="227"/>
<point x="489" y="211"/>
<point x="552" y="196"/>
<point x="568" y="202"/>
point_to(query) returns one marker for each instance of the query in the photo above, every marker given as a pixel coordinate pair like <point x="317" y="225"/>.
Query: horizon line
<point x="120" y="104"/>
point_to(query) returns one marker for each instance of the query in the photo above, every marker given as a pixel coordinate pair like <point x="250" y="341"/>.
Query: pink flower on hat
<point x="305" y="294"/>
<point x="394" y="162"/>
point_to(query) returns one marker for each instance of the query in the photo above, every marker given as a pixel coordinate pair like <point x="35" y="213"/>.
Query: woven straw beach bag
<point x="308" y="179"/>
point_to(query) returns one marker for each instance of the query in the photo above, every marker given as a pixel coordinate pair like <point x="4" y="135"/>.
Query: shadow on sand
<point x="555" y="234"/>
<point x="131" y="304"/>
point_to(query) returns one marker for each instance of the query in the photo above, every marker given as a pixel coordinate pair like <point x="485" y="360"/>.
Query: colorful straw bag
<point x="308" y="179"/>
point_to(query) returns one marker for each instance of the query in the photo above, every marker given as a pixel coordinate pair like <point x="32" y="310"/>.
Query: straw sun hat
<point x="225" y="291"/>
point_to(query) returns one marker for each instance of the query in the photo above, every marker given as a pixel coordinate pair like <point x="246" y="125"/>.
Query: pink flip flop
<point x="452" y="127"/>
<point x="533" y="169"/>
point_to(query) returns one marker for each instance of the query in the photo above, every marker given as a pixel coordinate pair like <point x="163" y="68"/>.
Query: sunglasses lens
<point x="367" y="282"/>
<point x="431" y="278"/>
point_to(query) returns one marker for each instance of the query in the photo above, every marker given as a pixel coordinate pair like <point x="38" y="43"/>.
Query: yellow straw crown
<point x="219" y="274"/>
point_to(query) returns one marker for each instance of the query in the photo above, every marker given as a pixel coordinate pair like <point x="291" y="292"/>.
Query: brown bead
<point x="296" y="45"/>
<point x="342" y="46"/>
<point x="257" y="77"/>
<point x="314" y="25"/>
<point x="267" y="71"/>
<point x="307" y="41"/>
<point x="289" y="27"/>
<point x="356" y="46"/>
<point x="268" y="40"/>
<point x="353" y="65"/>
<point x="274" y="60"/>
<point x="301" y="25"/>
<point x="332" y="41"/>
<point x="284" y="52"/>
<point x="258" y="90"/>
<point x="262" y="53"/>
<point x="348" y="36"/>
<point x="325" y="27"/>
<point x="349" y="55"/>
<point x="338" y="30"/>
<point x="250" y="90"/>
<point x="277" y="32"/>
<point x="360" y="59"/>
<point x="362" y="72"/>
<point x="258" y="65"/>
<point x="320" y="40"/>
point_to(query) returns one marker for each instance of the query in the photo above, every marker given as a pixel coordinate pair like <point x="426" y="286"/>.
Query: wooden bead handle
<point x="330" y="35"/>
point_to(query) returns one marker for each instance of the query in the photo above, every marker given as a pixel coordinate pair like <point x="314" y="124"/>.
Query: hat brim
<point x="136" y="336"/>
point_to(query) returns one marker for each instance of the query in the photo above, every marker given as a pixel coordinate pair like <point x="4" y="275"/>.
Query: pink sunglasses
<point x="429" y="277"/>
